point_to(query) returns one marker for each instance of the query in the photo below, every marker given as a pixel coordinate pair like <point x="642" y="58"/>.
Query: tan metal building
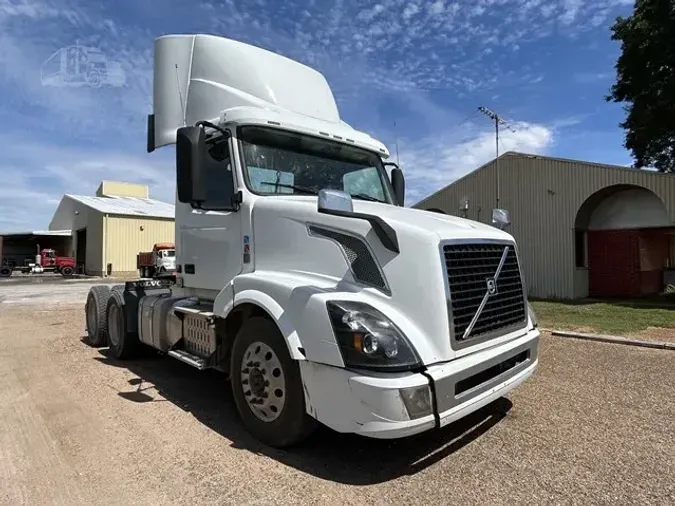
<point x="583" y="229"/>
<point x="111" y="228"/>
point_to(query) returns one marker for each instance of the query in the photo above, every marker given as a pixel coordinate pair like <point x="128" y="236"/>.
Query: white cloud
<point x="42" y="172"/>
<point x="410" y="10"/>
<point x="570" y="10"/>
<point x="379" y="56"/>
<point x="437" y="7"/>
<point x="437" y="161"/>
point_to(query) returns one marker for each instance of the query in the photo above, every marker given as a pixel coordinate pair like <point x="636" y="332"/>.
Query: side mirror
<point x="398" y="182"/>
<point x="335" y="200"/>
<point x="501" y="218"/>
<point x="190" y="153"/>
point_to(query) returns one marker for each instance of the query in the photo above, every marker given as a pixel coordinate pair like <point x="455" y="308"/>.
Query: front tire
<point x="122" y="343"/>
<point x="66" y="271"/>
<point x="267" y="386"/>
<point x="5" y="271"/>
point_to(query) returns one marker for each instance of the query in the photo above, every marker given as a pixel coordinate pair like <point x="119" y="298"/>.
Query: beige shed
<point x="111" y="228"/>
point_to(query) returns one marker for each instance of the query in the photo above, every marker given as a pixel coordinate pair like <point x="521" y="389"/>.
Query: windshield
<point x="278" y="162"/>
<point x="171" y="253"/>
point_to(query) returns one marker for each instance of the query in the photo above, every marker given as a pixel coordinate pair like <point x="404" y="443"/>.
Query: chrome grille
<point x="486" y="290"/>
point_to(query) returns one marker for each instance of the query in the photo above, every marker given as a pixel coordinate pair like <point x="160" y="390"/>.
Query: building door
<point x="81" y="250"/>
<point x="614" y="263"/>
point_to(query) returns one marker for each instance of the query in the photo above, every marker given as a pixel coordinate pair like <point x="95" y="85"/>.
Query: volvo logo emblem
<point x="491" y="286"/>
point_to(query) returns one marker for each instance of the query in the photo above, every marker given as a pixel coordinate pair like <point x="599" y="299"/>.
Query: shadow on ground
<point x="328" y="455"/>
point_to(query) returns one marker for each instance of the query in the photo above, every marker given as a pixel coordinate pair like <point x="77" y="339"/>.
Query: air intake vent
<point x="361" y="262"/>
<point x="486" y="296"/>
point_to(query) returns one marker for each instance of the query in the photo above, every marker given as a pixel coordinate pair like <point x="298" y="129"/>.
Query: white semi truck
<point x="299" y="272"/>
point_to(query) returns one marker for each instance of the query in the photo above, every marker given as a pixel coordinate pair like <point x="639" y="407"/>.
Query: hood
<point x="443" y="225"/>
<point x="290" y="236"/>
<point x="403" y="219"/>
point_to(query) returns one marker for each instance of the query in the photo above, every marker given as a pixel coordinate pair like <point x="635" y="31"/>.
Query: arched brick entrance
<point x="627" y="234"/>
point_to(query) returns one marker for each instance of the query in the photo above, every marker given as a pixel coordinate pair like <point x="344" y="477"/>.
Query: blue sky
<point x="424" y="66"/>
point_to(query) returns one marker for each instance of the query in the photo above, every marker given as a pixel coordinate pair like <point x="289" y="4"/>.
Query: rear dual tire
<point x="95" y="311"/>
<point x="122" y="343"/>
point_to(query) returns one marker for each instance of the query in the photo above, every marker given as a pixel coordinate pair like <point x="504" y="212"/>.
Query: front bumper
<point x="372" y="405"/>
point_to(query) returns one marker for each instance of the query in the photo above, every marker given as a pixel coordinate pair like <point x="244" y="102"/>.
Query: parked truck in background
<point x="300" y="274"/>
<point x="46" y="260"/>
<point x="160" y="261"/>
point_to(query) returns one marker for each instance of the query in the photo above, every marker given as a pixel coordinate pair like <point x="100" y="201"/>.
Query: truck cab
<point x="300" y="273"/>
<point x="158" y="262"/>
<point x="166" y="259"/>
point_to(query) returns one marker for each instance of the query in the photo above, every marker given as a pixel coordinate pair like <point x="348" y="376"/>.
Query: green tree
<point x="645" y="82"/>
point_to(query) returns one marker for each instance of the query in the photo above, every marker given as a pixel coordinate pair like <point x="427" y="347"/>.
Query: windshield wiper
<point x="366" y="197"/>
<point x="303" y="189"/>
<point x="312" y="191"/>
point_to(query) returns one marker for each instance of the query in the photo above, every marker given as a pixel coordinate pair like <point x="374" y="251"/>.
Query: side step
<point x="189" y="359"/>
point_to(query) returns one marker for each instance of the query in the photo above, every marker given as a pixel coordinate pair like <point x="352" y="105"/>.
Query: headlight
<point x="533" y="315"/>
<point x="368" y="339"/>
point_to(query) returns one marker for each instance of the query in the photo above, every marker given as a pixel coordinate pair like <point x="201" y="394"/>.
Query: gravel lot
<point x="593" y="426"/>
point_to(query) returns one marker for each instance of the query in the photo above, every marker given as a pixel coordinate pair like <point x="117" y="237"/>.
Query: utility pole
<point x="498" y="121"/>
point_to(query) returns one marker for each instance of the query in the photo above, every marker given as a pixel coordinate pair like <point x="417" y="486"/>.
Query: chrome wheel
<point x="263" y="382"/>
<point x="114" y="325"/>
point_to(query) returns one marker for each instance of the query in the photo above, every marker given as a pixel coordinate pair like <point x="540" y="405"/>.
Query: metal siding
<point x="543" y="220"/>
<point x="121" y="189"/>
<point x="125" y="239"/>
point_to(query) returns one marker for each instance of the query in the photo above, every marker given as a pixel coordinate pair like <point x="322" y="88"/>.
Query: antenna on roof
<point x="180" y="97"/>
<point x="498" y="121"/>
<point x="396" y="144"/>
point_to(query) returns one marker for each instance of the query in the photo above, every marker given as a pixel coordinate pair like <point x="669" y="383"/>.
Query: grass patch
<point x="607" y="317"/>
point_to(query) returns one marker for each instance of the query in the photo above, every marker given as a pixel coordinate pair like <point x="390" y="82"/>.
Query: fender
<point x="296" y="301"/>
<point x="226" y="302"/>
<point x="282" y="319"/>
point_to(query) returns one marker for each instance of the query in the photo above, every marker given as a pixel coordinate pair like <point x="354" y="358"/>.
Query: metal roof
<point x="518" y="154"/>
<point x="64" y="233"/>
<point x="127" y="206"/>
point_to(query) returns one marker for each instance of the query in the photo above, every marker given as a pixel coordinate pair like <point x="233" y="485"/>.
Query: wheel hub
<point x="263" y="381"/>
<point x="257" y="381"/>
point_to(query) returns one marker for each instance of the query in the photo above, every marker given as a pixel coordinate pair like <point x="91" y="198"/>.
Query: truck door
<point x="211" y="247"/>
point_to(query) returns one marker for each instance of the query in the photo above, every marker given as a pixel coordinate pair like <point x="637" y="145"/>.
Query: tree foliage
<point x="645" y="82"/>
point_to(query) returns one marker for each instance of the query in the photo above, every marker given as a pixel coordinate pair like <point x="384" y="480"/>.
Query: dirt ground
<point x="593" y="426"/>
<point x="655" y="334"/>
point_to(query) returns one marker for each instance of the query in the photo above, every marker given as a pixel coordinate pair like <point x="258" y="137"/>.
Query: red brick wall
<point x="614" y="263"/>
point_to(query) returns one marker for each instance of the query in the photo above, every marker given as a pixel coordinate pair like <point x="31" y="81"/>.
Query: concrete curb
<point x="615" y="340"/>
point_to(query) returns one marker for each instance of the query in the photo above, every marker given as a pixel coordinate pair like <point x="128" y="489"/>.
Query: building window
<point x="580" y="248"/>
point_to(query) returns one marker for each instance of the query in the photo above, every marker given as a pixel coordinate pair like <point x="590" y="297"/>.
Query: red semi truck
<point x="45" y="261"/>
